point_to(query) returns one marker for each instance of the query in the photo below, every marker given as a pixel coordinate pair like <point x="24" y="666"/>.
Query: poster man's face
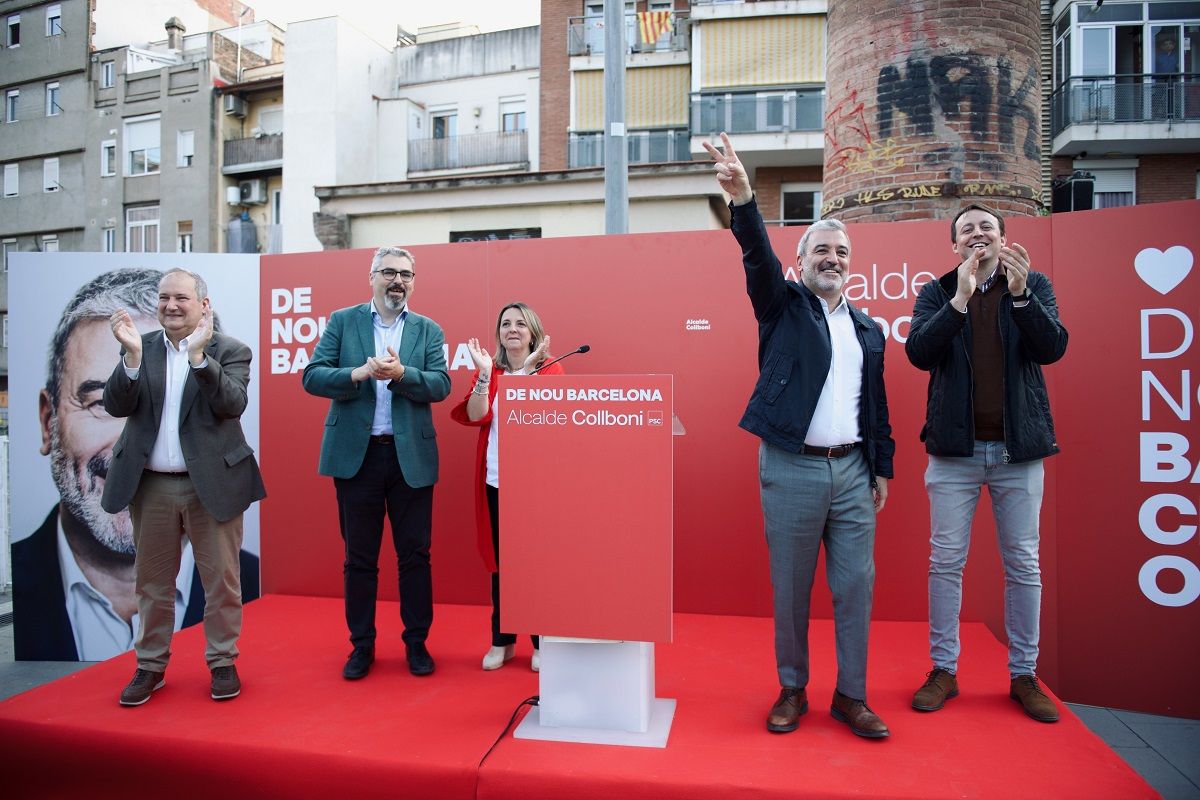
<point x="78" y="434"/>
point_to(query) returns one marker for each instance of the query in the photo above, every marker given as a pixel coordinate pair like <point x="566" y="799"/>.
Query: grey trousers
<point x="807" y="501"/>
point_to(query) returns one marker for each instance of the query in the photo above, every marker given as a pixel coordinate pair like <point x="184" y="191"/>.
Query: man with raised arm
<point x="820" y="409"/>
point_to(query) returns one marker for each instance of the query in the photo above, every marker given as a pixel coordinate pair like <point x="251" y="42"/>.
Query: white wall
<point x="330" y="74"/>
<point x="555" y="220"/>
<point x="468" y="94"/>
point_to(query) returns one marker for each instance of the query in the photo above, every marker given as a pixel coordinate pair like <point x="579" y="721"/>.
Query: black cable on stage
<point x="528" y="701"/>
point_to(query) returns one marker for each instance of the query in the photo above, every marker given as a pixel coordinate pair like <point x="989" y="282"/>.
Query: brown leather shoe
<point x="1026" y="691"/>
<point x="855" y="713"/>
<point x="225" y="683"/>
<point x="144" y="684"/>
<point x="940" y="686"/>
<point x="788" y="709"/>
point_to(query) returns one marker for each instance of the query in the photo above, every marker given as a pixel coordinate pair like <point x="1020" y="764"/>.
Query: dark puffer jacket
<point x="939" y="341"/>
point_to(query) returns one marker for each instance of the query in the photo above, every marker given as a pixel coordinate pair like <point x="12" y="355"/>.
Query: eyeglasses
<point x="391" y="274"/>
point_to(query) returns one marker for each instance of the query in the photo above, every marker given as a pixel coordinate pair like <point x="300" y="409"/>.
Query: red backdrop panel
<point x="1112" y="629"/>
<point x="585" y="506"/>
<point x="676" y="303"/>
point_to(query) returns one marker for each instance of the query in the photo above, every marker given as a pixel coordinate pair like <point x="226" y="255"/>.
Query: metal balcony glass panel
<point x="644" y="33"/>
<point x="758" y="112"/>
<point x="644" y="147"/>
<point x="1103" y="99"/>
<point x="472" y="150"/>
<point x="254" y="150"/>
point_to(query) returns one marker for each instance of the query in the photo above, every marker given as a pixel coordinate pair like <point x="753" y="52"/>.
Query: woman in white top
<point x="521" y="347"/>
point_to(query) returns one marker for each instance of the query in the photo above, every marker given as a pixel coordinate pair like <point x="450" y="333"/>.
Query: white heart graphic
<point x="1161" y="271"/>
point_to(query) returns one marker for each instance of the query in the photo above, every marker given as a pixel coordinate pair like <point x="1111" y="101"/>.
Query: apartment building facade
<point x="43" y="80"/>
<point x="692" y="70"/>
<point x="1125" y="102"/>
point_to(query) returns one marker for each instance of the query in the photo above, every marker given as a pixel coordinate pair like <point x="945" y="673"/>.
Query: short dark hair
<point x="974" y="207"/>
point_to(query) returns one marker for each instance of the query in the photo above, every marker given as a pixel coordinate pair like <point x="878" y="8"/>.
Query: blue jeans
<point x="953" y="484"/>
<point x="807" y="501"/>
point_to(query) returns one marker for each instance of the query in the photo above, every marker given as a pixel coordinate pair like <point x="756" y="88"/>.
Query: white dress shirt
<point x="835" y="420"/>
<point x="167" y="455"/>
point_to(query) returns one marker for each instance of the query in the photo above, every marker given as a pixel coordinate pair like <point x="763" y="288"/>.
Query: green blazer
<point x="348" y="340"/>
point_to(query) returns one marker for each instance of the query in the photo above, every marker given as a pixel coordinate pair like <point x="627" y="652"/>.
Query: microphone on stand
<point x="583" y="348"/>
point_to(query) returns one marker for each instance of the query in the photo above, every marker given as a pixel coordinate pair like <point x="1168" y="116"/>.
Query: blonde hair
<point x="536" y="333"/>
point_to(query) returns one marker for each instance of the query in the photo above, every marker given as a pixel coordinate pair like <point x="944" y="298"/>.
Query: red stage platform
<point x="299" y="730"/>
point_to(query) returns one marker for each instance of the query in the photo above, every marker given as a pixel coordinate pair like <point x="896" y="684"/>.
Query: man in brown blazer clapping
<point x="184" y="468"/>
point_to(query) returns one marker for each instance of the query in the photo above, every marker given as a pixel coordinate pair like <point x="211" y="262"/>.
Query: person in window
<point x="1166" y="57"/>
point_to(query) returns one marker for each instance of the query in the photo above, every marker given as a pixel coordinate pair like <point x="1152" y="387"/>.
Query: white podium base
<point x="598" y="691"/>
<point x="662" y="713"/>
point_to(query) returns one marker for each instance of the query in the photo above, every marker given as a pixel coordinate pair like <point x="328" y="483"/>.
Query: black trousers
<point x="499" y="639"/>
<point x="378" y="488"/>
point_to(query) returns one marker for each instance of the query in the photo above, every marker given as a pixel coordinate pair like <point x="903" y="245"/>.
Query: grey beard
<point x="393" y="305"/>
<point x="114" y="531"/>
<point x="814" y="280"/>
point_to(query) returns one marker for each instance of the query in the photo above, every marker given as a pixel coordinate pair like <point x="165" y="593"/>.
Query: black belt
<point x="167" y="474"/>
<point x="383" y="438"/>
<point x="837" y="451"/>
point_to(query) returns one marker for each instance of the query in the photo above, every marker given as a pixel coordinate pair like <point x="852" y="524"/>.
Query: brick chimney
<point x="931" y="106"/>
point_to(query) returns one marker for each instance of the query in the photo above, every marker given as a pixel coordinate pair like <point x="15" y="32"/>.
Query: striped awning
<point x="763" y="51"/>
<point x="655" y="97"/>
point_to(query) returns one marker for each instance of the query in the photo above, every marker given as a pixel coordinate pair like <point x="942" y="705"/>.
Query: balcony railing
<point x="255" y="150"/>
<point x="585" y="35"/>
<point x="758" y="112"/>
<point x="1102" y="99"/>
<point x="472" y="150"/>
<point x="644" y="147"/>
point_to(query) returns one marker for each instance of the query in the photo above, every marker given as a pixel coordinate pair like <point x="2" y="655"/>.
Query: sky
<point x="379" y="18"/>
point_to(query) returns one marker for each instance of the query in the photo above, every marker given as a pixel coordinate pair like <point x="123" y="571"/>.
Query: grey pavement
<point x="1163" y="750"/>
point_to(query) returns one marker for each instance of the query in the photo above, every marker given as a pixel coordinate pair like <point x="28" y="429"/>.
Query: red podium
<point x="586" y="515"/>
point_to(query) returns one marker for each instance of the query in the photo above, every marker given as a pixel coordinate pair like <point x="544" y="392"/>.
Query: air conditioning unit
<point x="253" y="192"/>
<point x="235" y="106"/>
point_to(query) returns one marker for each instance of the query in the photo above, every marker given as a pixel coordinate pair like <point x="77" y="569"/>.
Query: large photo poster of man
<point x="72" y="562"/>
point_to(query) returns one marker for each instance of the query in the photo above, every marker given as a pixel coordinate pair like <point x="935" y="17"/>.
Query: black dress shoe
<point x="419" y="660"/>
<point x="359" y="663"/>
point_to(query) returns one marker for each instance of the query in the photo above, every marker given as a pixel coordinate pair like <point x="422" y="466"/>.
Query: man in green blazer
<point x="381" y="366"/>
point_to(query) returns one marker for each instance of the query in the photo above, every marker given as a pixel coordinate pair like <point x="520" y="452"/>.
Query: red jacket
<point x="483" y="521"/>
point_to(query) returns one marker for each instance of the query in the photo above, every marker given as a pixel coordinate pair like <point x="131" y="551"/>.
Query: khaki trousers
<point x="164" y="510"/>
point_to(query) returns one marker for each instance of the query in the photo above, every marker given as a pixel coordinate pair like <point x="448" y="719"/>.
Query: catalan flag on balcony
<point x="653" y="24"/>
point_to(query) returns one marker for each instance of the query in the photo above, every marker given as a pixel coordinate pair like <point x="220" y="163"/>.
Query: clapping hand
<point x="200" y="337"/>
<point x="127" y="334"/>
<point x="483" y="361"/>
<point x="536" y="356"/>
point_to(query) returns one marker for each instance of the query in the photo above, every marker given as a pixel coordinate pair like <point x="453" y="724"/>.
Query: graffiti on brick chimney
<point x="931" y="91"/>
